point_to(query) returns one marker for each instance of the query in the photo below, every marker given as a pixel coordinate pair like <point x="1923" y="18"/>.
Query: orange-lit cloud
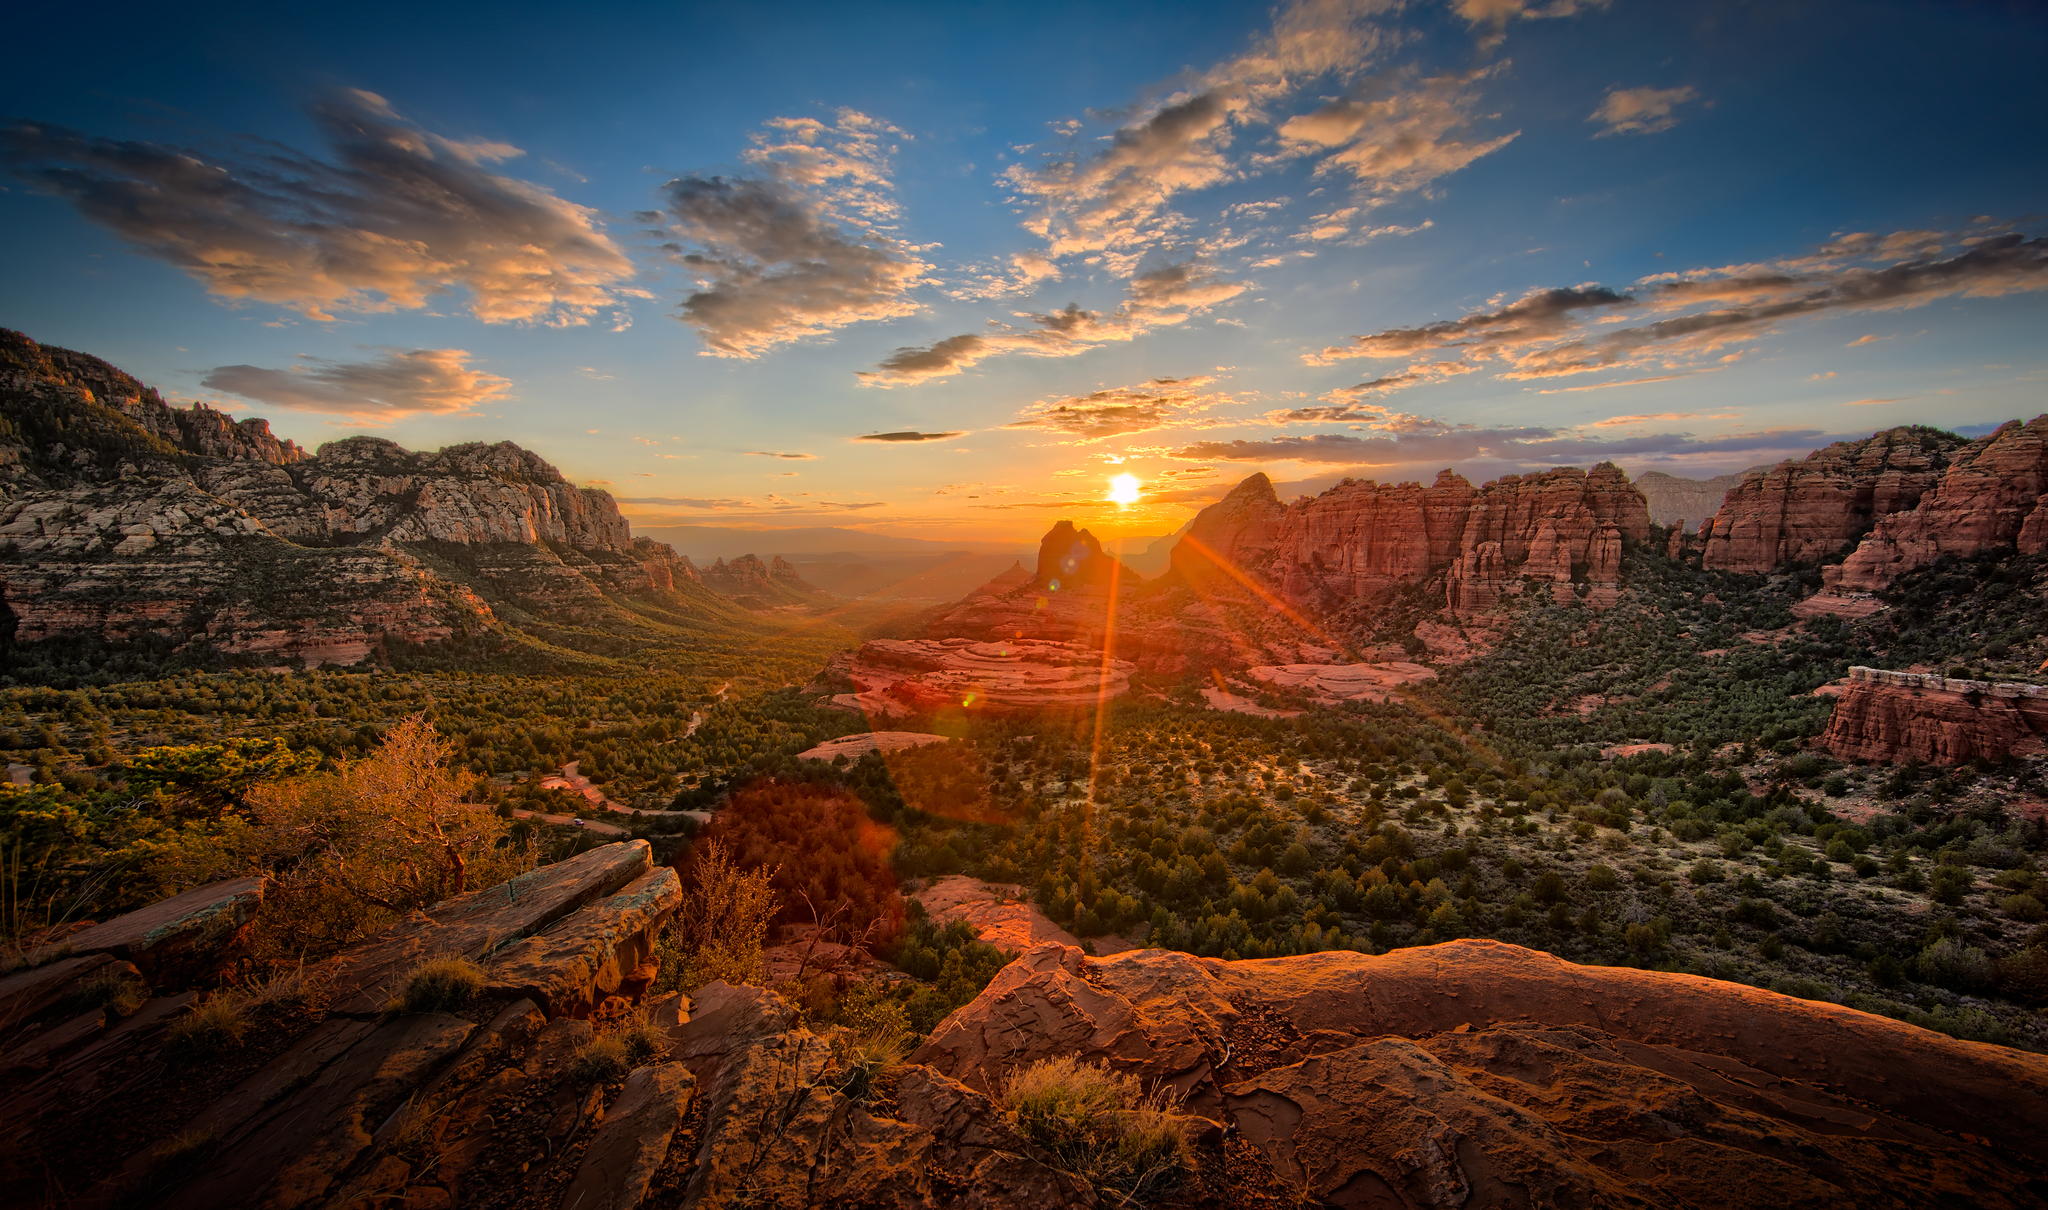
<point x="401" y="383"/>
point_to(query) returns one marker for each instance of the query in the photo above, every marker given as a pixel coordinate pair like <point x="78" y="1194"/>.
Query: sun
<point x="1123" y="489"/>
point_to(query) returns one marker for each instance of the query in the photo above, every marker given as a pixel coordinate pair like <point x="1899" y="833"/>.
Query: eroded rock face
<point x="748" y="578"/>
<point x="1993" y="496"/>
<point x="1478" y="1073"/>
<point x="1798" y="512"/>
<point x="1682" y="503"/>
<point x="125" y="519"/>
<point x="1893" y="717"/>
<point x="1362" y="541"/>
<point x="895" y="678"/>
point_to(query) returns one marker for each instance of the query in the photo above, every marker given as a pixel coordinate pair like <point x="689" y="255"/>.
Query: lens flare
<point x="1123" y="489"/>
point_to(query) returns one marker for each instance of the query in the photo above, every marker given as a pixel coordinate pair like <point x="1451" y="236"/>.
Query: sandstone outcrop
<point x="1471" y="1073"/>
<point x="173" y="937"/>
<point x="1804" y="511"/>
<point x="1330" y="684"/>
<point x="747" y="579"/>
<point x="896" y="678"/>
<point x="1361" y="541"/>
<point x="1477" y="1073"/>
<point x="1892" y="717"/>
<point x="1992" y="497"/>
<point x="126" y="520"/>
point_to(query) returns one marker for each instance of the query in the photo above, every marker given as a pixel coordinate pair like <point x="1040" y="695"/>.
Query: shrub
<point x="208" y="1027"/>
<point x="719" y="930"/>
<point x="602" y="1059"/>
<point x="1100" y="1125"/>
<point x="441" y="984"/>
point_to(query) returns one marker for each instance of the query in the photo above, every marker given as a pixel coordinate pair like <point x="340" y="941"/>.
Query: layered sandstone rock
<point x="1479" y="1073"/>
<point x="125" y="519"/>
<point x="895" y="678"/>
<point x="1361" y="540"/>
<point x="1993" y="496"/>
<point x="1800" y="512"/>
<point x="748" y="578"/>
<point x="1893" y="717"/>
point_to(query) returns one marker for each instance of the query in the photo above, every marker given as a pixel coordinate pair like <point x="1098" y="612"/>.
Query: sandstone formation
<point x="1475" y="1073"/>
<point x="1804" y="511"/>
<point x="750" y="581"/>
<point x="1467" y="1074"/>
<point x="1330" y="684"/>
<point x="127" y="520"/>
<point x="1362" y="540"/>
<point x="895" y="678"/>
<point x="853" y="747"/>
<point x="1893" y="717"/>
<point x="1992" y="497"/>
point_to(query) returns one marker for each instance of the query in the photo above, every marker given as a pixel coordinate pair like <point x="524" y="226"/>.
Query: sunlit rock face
<point x="896" y="678"/>
<point x="1362" y="540"/>
<point x="1475" y="1073"/>
<point x="125" y="519"/>
<point x="1992" y="496"/>
<point x="1798" y="512"/>
<point x="1894" y="717"/>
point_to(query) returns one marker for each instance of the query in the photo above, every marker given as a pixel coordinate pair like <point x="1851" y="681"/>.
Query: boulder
<point x="480" y="922"/>
<point x="570" y="966"/>
<point x="620" y="1163"/>
<point x="176" y="937"/>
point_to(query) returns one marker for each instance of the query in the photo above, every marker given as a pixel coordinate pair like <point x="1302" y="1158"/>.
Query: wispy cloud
<point x="399" y="384"/>
<point x="1171" y="294"/>
<point x="1640" y="110"/>
<point x="392" y="216"/>
<point x="801" y="249"/>
<point x="780" y="454"/>
<point x="909" y="435"/>
<point x="1122" y="411"/>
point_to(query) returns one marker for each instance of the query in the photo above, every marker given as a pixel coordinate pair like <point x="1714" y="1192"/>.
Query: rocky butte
<point x="1894" y="717"/>
<point x="1470" y="1073"/>
<point x="1361" y="540"/>
<point x="125" y="519"/>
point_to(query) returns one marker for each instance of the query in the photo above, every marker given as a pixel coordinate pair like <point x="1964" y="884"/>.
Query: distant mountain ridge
<point x="125" y="519"/>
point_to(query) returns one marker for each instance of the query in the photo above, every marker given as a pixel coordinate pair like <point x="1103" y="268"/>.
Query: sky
<point x="942" y="271"/>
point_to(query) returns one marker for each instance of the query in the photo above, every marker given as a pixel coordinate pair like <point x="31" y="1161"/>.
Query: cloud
<point x="1396" y="136"/>
<point x="1871" y="403"/>
<point x="1613" y="422"/>
<point x="1438" y="444"/>
<point x="1620" y="382"/>
<point x="1119" y="196"/>
<point x="798" y="250"/>
<point x="909" y="435"/>
<point x="1344" y="405"/>
<point x="1491" y="17"/>
<point x="1122" y="411"/>
<point x="1681" y="321"/>
<point x="1536" y="314"/>
<point x="401" y="383"/>
<point x="780" y="454"/>
<point x="1640" y="110"/>
<point x="393" y="216"/>
<point x="1162" y="297"/>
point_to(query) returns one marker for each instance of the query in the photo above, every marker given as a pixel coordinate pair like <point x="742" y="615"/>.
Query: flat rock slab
<point x="289" y="1135"/>
<point x="474" y="925"/>
<point x="587" y="954"/>
<point x="853" y="747"/>
<point x="28" y="994"/>
<point x="173" y="935"/>
<point x="619" y="1166"/>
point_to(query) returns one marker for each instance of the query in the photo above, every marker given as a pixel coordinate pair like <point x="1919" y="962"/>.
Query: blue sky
<point x="664" y="244"/>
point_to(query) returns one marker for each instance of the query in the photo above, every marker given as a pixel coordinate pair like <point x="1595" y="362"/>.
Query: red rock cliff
<point x="1801" y="511"/>
<point x="1893" y="717"/>
<point x="1993" y="496"/>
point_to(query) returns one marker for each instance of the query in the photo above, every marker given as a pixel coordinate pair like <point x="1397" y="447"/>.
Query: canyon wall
<point x="1893" y="717"/>
<point x="1799" y="512"/>
<point x="124" y="519"/>
<point x="1362" y="540"/>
